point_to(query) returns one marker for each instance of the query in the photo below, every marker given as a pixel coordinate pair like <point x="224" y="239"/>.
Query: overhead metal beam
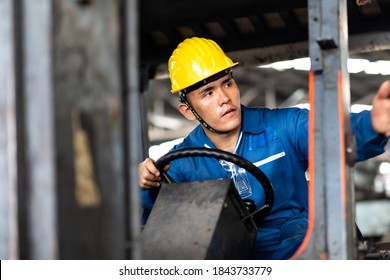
<point x="357" y="43"/>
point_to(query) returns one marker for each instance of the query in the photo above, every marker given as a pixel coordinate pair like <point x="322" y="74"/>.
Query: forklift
<point x="73" y="82"/>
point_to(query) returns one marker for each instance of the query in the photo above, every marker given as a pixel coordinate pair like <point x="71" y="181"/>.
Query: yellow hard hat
<point x="194" y="60"/>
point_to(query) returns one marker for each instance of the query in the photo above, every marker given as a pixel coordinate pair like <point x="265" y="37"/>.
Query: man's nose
<point x="223" y="96"/>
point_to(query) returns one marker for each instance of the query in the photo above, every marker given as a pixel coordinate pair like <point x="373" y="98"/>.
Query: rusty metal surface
<point x="89" y="130"/>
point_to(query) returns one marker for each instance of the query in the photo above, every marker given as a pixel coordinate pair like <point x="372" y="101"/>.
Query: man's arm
<point x="372" y="128"/>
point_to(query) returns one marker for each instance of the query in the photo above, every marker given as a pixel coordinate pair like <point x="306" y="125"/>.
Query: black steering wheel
<point x="258" y="214"/>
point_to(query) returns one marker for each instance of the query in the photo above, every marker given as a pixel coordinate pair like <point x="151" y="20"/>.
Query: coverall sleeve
<point x="368" y="142"/>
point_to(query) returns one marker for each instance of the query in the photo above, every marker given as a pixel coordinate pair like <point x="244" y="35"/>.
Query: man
<point x="274" y="140"/>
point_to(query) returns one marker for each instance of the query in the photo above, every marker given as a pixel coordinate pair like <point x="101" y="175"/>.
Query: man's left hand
<point x="380" y="113"/>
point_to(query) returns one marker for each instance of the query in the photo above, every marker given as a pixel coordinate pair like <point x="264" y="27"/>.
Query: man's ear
<point x="186" y="112"/>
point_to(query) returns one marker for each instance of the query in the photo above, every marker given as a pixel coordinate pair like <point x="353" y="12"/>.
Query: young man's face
<point x="218" y="103"/>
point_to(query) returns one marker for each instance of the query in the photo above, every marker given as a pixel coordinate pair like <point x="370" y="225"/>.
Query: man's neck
<point x="225" y="142"/>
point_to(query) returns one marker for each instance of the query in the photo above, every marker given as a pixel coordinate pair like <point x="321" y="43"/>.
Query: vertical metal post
<point x="8" y="167"/>
<point x="89" y="130"/>
<point x="60" y="105"/>
<point x="39" y="130"/>
<point x="133" y="105"/>
<point x="331" y="235"/>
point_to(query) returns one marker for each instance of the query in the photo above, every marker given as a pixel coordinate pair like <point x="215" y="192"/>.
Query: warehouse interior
<point x="85" y="96"/>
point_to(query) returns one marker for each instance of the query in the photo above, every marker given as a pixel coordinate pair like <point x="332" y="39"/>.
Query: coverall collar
<point x="247" y="125"/>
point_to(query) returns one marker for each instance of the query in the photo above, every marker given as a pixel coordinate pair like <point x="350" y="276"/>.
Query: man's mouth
<point x="228" y="112"/>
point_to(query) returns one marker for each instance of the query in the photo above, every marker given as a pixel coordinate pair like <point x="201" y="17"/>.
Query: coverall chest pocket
<point x="271" y="158"/>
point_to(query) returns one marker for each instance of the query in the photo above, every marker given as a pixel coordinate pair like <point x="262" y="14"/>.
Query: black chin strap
<point x="183" y="99"/>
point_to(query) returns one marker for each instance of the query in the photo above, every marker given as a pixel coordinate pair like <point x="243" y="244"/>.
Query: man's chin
<point x="231" y="130"/>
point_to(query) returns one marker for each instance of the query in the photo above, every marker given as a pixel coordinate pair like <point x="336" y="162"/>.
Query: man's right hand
<point x="148" y="174"/>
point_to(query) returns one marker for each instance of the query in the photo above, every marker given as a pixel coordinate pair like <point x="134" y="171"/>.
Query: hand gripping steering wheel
<point x="257" y="215"/>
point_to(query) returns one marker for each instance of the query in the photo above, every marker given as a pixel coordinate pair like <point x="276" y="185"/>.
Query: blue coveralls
<point x="275" y="140"/>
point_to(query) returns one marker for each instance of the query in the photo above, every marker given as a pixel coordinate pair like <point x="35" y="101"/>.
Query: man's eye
<point x="229" y="84"/>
